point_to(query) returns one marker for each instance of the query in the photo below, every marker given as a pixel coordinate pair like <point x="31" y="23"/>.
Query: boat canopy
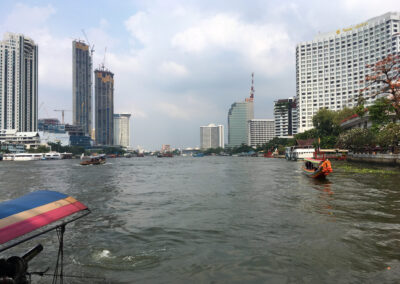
<point x="33" y="211"/>
<point x="314" y="161"/>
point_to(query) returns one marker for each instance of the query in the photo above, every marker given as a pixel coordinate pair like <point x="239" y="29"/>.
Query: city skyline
<point x="174" y="79"/>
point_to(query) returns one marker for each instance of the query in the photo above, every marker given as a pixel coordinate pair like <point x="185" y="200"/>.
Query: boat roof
<point x="34" y="210"/>
<point x="314" y="161"/>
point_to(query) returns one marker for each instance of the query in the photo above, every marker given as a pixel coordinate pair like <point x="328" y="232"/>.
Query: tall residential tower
<point x="104" y="106"/>
<point x="82" y="86"/>
<point x="121" y="129"/>
<point x="331" y="69"/>
<point x="18" y="83"/>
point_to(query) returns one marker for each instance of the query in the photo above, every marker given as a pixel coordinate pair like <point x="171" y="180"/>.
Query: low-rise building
<point x="12" y="136"/>
<point x="261" y="131"/>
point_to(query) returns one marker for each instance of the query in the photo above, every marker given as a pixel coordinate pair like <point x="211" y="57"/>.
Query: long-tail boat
<point x="316" y="168"/>
<point x="27" y="217"/>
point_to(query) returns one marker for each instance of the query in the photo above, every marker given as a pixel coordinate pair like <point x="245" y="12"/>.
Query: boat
<point x="28" y="157"/>
<point x="52" y="156"/>
<point x="198" y="155"/>
<point x="28" y="217"/>
<point x="165" y="155"/>
<point x="317" y="168"/>
<point x="95" y="160"/>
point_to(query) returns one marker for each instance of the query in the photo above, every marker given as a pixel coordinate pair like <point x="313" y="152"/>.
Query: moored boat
<point x="96" y="160"/>
<point x="316" y="168"/>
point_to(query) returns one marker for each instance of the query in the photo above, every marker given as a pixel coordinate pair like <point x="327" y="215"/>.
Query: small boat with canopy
<point x="317" y="168"/>
<point x="28" y="217"/>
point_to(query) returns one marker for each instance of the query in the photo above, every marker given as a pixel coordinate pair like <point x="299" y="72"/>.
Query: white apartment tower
<point x="261" y="131"/>
<point x="18" y="83"/>
<point x="330" y="69"/>
<point x="211" y="136"/>
<point x="121" y="129"/>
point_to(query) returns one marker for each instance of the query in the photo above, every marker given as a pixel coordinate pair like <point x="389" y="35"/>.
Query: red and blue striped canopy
<point x="33" y="211"/>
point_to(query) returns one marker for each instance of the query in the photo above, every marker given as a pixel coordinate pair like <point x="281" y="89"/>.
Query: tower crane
<point x="62" y="113"/>
<point x="90" y="46"/>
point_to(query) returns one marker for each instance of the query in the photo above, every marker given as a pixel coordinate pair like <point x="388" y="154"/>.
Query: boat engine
<point x="14" y="269"/>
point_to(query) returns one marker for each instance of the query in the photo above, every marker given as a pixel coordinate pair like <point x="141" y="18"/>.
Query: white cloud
<point x="264" y="46"/>
<point x="173" y="68"/>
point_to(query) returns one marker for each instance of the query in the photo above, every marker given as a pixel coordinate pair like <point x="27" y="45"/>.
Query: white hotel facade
<point x="330" y="69"/>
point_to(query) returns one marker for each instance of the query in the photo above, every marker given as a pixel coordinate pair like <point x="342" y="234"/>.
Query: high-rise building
<point x="211" y="136"/>
<point x="286" y="118"/>
<point x="121" y="129"/>
<point x="18" y="83"/>
<point x="82" y="86"/>
<point x="261" y="131"/>
<point x="331" y="69"/>
<point x="104" y="106"/>
<point x="238" y="117"/>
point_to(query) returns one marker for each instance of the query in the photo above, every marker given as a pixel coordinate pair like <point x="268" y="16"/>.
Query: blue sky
<point x="179" y="64"/>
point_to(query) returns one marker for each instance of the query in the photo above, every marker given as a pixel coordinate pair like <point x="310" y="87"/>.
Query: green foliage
<point x="389" y="135"/>
<point x="210" y="151"/>
<point x="357" y="139"/>
<point x="312" y="133"/>
<point x="379" y="112"/>
<point x="343" y="114"/>
<point x="241" y="149"/>
<point x="40" y="149"/>
<point x="325" y="123"/>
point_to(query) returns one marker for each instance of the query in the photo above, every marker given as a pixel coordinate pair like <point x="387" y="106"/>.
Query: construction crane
<point x="103" y="64"/>
<point x="62" y="113"/>
<point x="90" y="46"/>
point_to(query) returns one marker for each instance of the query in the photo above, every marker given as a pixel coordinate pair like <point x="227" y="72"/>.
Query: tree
<point x="385" y="75"/>
<point x="325" y="123"/>
<point x="389" y="136"/>
<point x="357" y="139"/>
<point x="380" y="111"/>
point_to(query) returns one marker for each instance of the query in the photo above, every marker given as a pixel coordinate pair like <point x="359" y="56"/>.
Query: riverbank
<point x="384" y="159"/>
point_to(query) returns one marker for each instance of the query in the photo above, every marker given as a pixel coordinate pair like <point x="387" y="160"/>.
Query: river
<point x="218" y="220"/>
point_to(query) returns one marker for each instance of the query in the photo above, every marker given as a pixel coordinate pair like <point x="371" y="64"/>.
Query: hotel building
<point x="18" y="83"/>
<point x="121" y="129"/>
<point x="330" y="69"/>
<point x="211" y="136"/>
<point x="261" y="131"/>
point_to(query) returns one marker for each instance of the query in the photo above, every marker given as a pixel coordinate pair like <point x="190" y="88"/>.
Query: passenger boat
<point x="316" y="168"/>
<point x="96" y="160"/>
<point x="52" y="156"/>
<point x="28" y="217"/>
<point x="28" y="157"/>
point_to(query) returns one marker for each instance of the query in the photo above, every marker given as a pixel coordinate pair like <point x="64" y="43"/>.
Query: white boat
<point x="302" y="153"/>
<point x="52" y="156"/>
<point x="8" y="157"/>
<point x="28" y="157"/>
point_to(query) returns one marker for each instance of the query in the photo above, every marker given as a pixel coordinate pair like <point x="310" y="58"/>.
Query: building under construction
<point x="104" y="106"/>
<point x="82" y="86"/>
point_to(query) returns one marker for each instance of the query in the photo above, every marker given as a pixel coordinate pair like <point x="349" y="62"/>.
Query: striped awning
<point x="33" y="211"/>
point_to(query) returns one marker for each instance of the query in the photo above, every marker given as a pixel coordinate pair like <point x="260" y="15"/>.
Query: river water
<point x="218" y="220"/>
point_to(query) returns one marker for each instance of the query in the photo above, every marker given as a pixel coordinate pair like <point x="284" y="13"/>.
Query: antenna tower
<point x="252" y="87"/>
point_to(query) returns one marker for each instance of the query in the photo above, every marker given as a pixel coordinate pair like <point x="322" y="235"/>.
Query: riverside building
<point x="330" y="69"/>
<point x="104" y="106"/>
<point x="261" y="131"/>
<point x="82" y="86"/>
<point x="238" y="119"/>
<point x="121" y="129"/>
<point x="18" y="83"/>
<point x="211" y="136"/>
<point x="286" y="119"/>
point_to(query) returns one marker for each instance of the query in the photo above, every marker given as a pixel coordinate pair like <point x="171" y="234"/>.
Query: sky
<point x="179" y="65"/>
